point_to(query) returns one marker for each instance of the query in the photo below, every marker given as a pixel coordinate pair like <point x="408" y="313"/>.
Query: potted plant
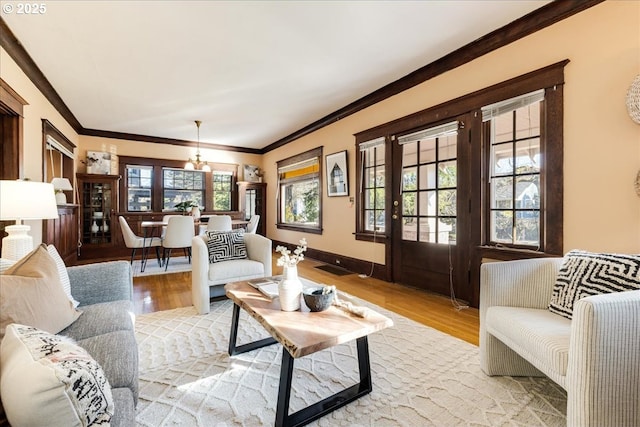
<point x="185" y="206"/>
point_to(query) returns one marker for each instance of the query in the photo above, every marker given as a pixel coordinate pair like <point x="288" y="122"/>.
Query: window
<point x="299" y="192"/>
<point x="222" y="188"/>
<point x="181" y="186"/>
<point x="139" y="185"/>
<point x="372" y="156"/>
<point x="514" y="165"/>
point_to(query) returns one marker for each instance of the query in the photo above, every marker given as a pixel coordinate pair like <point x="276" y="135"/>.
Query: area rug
<point x="421" y="377"/>
<point x="178" y="264"/>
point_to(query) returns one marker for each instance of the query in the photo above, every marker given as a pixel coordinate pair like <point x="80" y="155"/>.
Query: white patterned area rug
<point x="178" y="264"/>
<point x="421" y="377"/>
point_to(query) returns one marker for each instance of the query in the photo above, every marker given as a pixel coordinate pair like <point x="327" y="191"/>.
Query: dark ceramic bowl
<point x="315" y="300"/>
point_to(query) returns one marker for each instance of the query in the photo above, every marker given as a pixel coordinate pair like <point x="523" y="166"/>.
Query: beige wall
<point x="602" y="144"/>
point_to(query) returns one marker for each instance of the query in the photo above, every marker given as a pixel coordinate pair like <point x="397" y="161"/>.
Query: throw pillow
<point x="226" y="245"/>
<point x="5" y="264"/>
<point x="47" y="379"/>
<point x="62" y="272"/>
<point x="31" y="294"/>
<point x="583" y="274"/>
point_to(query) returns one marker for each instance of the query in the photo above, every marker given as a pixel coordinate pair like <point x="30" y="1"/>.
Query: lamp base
<point x="18" y="243"/>
<point x="61" y="198"/>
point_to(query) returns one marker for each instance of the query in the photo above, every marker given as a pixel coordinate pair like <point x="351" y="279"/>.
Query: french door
<point x="430" y="207"/>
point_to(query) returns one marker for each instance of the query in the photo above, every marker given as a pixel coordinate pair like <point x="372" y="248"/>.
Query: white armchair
<point x="208" y="279"/>
<point x="595" y="356"/>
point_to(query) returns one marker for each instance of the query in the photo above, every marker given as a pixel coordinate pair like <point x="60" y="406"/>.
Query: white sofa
<point x="595" y="356"/>
<point x="208" y="279"/>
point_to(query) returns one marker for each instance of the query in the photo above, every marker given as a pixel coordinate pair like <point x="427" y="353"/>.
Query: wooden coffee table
<point x="302" y="333"/>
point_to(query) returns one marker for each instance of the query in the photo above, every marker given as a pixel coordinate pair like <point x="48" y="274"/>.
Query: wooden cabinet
<point x="63" y="233"/>
<point x="252" y="201"/>
<point x="98" y="208"/>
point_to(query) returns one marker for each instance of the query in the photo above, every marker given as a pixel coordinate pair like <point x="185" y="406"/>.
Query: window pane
<point x="502" y="226"/>
<point x="528" y="121"/>
<point x="502" y="159"/>
<point x="182" y="186"/>
<point x="528" y="192"/>
<point x="300" y="202"/>
<point x="222" y="190"/>
<point x="501" y="193"/>
<point x="410" y="154"/>
<point x="527" y="227"/>
<point x="139" y="188"/>
<point x="503" y="127"/>
<point x="528" y="156"/>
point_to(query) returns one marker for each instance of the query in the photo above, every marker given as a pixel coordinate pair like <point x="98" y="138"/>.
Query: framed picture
<point x="252" y="173"/>
<point x="337" y="174"/>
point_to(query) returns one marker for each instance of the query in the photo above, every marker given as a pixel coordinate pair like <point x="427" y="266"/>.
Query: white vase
<point x="195" y="213"/>
<point x="94" y="227"/>
<point x="290" y="289"/>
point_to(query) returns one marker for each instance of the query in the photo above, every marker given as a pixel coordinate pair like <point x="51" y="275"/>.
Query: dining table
<point x="149" y="231"/>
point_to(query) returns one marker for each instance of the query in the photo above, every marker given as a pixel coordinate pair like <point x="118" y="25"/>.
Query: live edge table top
<point x="304" y="332"/>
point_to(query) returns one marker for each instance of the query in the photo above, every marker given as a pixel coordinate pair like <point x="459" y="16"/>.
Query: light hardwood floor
<point x="164" y="292"/>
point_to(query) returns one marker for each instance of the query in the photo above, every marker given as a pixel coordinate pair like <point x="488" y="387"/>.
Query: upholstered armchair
<point x="208" y="278"/>
<point x="594" y="356"/>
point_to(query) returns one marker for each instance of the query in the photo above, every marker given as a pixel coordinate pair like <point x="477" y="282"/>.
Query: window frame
<point x="307" y="155"/>
<point x="157" y="186"/>
<point x="362" y="233"/>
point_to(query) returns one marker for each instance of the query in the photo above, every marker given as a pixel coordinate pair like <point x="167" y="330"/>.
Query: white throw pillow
<point x="62" y="271"/>
<point x="47" y="379"/>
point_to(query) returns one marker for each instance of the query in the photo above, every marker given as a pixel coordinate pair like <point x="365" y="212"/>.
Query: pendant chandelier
<point x="197" y="163"/>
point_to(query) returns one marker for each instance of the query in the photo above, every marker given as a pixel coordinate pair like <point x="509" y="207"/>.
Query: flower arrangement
<point x="291" y="260"/>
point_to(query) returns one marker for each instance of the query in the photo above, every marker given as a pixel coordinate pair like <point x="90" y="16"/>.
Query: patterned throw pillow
<point x="226" y="245"/>
<point x="48" y="379"/>
<point x="583" y="274"/>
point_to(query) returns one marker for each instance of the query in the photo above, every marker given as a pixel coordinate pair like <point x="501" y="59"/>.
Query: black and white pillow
<point x="583" y="274"/>
<point x="226" y="245"/>
<point x="49" y="379"/>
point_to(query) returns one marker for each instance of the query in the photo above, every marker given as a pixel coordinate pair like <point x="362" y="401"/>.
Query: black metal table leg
<point x="233" y="349"/>
<point x="325" y="406"/>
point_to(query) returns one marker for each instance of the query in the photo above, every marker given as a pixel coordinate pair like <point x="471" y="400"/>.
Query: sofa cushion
<point x="62" y="272"/>
<point x="46" y="378"/>
<point x="102" y="318"/>
<point x="31" y="294"/>
<point x="538" y="335"/>
<point x="117" y="353"/>
<point x="583" y="274"/>
<point x="226" y="245"/>
<point x="240" y="269"/>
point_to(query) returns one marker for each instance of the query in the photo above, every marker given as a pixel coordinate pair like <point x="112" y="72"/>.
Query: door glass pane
<point x="409" y="179"/>
<point x="447" y="230"/>
<point x="428" y="151"/>
<point x="447" y="147"/>
<point x="409" y="229"/>
<point x="409" y="206"/>
<point x="447" y="202"/>
<point x="423" y="202"/>
<point x="425" y="233"/>
<point x="447" y="174"/>
<point x="431" y="204"/>
<point x="428" y="176"/>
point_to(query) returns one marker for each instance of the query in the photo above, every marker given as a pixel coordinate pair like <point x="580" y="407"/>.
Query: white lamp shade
<point x="23" y="200"/>
<point x="61" y="184"/>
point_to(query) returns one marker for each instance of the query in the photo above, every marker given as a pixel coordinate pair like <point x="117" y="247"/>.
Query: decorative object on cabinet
<point x="197" y="163"/>
<point x="252" y="173"/>
<point x="60" y="185"/>
<point x="98" y="203"/>
<point x="633" y="100"/>
<point x="251" y="201"/>
<point x="23" y="200"/>
<point x="98" y="162"/>
<point x="337" y="174"/>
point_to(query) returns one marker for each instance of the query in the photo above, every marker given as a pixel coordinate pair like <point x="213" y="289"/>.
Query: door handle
<point x="394" y="216"/>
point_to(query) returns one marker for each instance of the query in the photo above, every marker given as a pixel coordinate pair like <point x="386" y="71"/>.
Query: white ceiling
<point x="252" y="71"/>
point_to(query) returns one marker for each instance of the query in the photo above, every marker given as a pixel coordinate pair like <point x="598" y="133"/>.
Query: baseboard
<point x="355" y="265"/>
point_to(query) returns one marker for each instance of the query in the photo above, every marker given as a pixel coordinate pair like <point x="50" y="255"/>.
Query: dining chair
<point x="252" y="226"/>
<point x="165" y="219"/>
<point x="219" y="223"/>
<point x="180" y="231"/>
<point x="133" y="242"/>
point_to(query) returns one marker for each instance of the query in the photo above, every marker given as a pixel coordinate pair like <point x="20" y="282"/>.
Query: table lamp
<point x="60" y="185"/>
<point x="24" y="200"/>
